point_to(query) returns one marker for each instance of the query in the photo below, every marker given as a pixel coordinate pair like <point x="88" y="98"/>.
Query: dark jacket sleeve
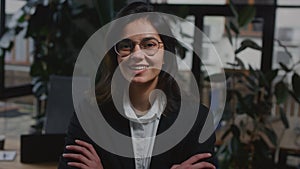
<point x="191" y="144"/>
<point x="188" y="147"/>
<point x="74" y="132"/>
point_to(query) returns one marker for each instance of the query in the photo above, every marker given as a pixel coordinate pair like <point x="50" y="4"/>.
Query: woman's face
<point x="140" y="53"/>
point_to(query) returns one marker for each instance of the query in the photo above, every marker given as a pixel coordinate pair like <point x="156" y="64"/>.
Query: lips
<point x="139" y="67"/>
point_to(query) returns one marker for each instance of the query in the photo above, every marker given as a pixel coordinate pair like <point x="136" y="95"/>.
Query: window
<point x="15" y="79"/>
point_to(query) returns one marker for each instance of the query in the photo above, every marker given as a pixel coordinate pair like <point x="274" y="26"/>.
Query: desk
<point x="14" y="144"/>
<point x="287" y="139"/>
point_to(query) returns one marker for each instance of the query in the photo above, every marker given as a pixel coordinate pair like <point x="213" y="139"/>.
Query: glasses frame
<point x="159" y="46"/>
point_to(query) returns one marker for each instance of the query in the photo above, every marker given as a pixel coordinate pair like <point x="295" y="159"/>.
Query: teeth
<point x="138" y="67"/>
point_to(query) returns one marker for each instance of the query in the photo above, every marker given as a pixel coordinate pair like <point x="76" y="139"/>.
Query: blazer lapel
<point x="121" y="125"/>
<point x="124" y="128"/>
<point x="166" y="121"/>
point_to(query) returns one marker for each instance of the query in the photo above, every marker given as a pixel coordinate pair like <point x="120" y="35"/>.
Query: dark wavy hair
<point x="109" y="64"/>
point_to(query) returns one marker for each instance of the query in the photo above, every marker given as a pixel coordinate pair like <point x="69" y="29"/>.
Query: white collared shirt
<point x="143" y="129"/>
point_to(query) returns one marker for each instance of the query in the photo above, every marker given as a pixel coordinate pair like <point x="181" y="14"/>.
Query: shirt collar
<point x="157" y="107"/>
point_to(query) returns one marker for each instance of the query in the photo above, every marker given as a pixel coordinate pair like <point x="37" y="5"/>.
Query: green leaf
<point x="251" y="81"/>
<point x="226" y="134"/>
<point x="284" y="118"/>
<point x="233" y="9"/>
<point x="292" y="93"/>
<point x="246" y="15"/>
<point x="252" y="71"/>
<point x="36" y="68"/>
<point x="234" y="145"/>
<point x="235" y="131"/>
<point x="240" y="63"/>
<point x="227" y="28"/>
<point x="262" y="81"/>
<point x="281" y="92"/>
<point x="285" y="48"/>
<point x="78" y="10"/>
<point x="262" y="156"/>
<point x="296" y="84"/>
<point x="39" y="89"/>
<point x="248" y="43"/>
<point x="241" y="48"/>
<point x="284" y="67"/>
<point x="270" y="76"/>
<point x="251" y="44"/>
<point x="232" y="64"/>
<point x="221" y="149"/>
<point x="22" y="18"/>
<point x="271" y="135"/>
<point x="35" y="79"/>
<point x="234" y="27"/>
<point x="243" y="106"/>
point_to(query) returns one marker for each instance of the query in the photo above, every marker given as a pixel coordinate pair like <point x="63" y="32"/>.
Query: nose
<point x="137" y="53"/>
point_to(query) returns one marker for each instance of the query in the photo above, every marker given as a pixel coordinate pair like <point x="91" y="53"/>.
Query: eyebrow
<point x="149" y="38"/>
<point x="143" y="39"/>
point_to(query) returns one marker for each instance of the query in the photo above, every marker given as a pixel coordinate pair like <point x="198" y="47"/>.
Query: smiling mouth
<point x="138" y="67"/>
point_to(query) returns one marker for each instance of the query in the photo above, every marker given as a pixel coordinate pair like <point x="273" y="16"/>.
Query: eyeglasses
<point x="149" y="46"/>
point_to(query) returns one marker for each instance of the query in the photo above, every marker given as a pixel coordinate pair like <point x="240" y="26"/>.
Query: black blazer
<point x="186" y="148"/>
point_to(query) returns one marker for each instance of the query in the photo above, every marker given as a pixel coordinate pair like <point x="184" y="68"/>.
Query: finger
<point x="77" y="157"/>
<point x="196" y="158"/>
<point x="78" y="165"/>
<point x="86" y="145"/>
<point x="91" y="149"/>
<point x="206" y="165"/>
<point x="81" y="150"/>
<point x="175" y="166"/>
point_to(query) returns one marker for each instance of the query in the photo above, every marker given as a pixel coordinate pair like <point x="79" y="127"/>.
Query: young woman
<point x="145" y="58"/>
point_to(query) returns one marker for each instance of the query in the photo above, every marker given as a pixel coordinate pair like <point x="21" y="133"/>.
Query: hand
<point x="87" y="157"/>
<point x="192" y="163"/>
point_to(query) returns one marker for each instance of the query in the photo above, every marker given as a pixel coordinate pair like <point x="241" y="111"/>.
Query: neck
<point x="139" y="95"/>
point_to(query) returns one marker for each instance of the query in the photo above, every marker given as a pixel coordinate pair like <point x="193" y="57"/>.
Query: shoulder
<point x="202" y="117"/>
<point x="203" y="125"/>
<point x="202" y="112"/>
<point x="203" y="109"/>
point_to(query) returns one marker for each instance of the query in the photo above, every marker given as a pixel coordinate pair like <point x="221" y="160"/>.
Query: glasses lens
<point x="124" y="47"/>
<point x="149" y="46"/>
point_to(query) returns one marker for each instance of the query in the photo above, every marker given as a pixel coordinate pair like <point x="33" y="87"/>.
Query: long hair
<point x="109" y="64"/>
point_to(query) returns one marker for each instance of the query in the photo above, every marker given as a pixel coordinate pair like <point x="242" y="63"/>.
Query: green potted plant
<point x="59" y="29"/>
<point x="248" y="141"/>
